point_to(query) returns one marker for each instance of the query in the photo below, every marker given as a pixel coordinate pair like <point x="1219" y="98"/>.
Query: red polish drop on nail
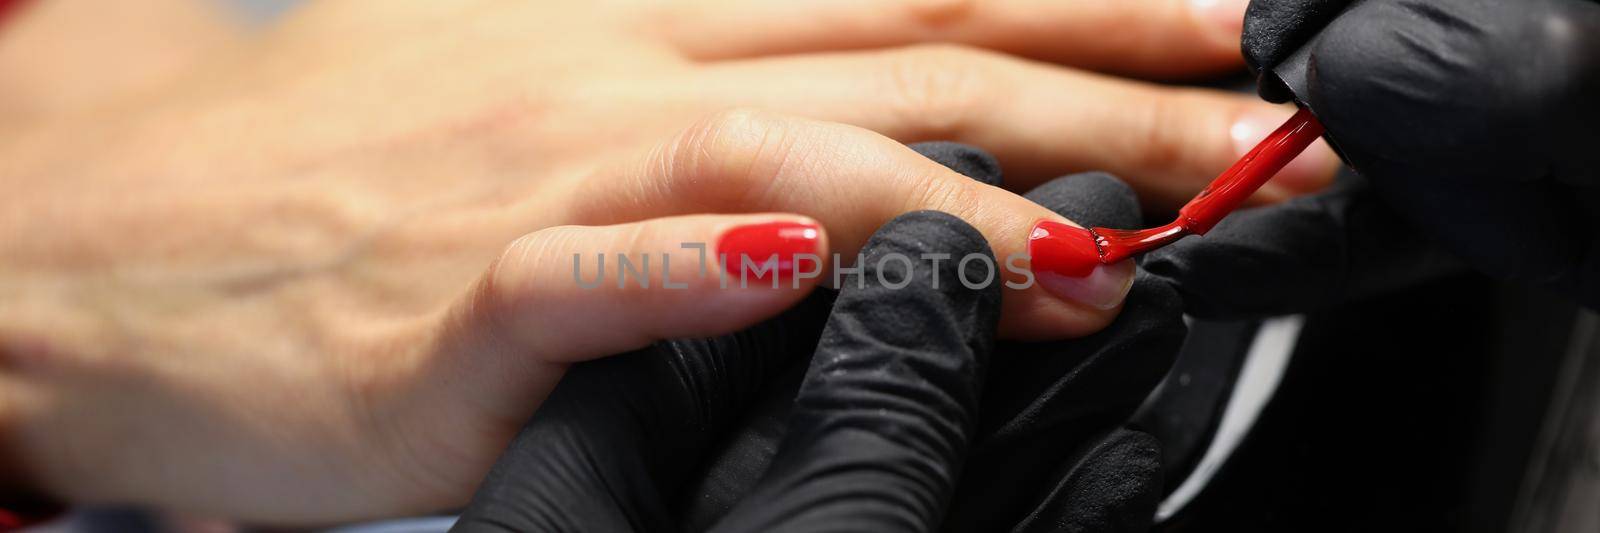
<point x="1070" y="251"/>
<point x="771" y="247"/>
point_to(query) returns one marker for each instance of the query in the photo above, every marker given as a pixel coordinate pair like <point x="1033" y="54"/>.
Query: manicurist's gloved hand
<point x="1050" y="452"/>
<point x="874" y="440"/>
<point x="1311" y="252"/>
<point x="1474" y="118"/>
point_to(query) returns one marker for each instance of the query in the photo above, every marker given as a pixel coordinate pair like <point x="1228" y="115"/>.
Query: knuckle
<point x="1162" y="143"/>
<point x="729" y="158"/>
<point x="636" y="243"/>
<point x="938" y="15"/>
<point x="512" y="276"/>
<point x="957" y="196"/>
<point x="935" y="90"/>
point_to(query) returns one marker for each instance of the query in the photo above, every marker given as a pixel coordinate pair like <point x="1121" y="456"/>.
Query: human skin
<point x="62" y="55"/>
<point x="323" y="275"/>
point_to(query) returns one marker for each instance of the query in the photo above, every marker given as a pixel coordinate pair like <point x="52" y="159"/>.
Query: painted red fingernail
<point x="1062" y="249"/>
<point x="760" y="251"/>
<point x="1067" y="263"/>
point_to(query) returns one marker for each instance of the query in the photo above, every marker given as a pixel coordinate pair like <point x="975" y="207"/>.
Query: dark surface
<point x="1184" y="411"/>
<point x="1411" y="412"/>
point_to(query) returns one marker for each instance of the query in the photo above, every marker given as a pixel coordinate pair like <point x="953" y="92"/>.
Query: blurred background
<point x="1463" y="405"/>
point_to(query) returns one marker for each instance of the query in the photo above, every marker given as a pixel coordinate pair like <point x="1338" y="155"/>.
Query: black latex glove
<point x="873" y="440"/>
<point x="1474" y="118"/>
<point x="1051" y="453"/>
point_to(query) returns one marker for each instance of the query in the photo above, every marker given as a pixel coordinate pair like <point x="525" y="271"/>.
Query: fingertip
<point x="1218" y="29"/>
<point x="956" y="252"/>
<point x="1077" y="295"/>
<point x="1222" y="20"/>
<point x="926" y="231"/>
<point x="1103" y="289"/>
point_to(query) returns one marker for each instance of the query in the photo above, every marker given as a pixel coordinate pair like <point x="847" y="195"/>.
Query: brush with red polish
<point x="1074" y="251"/>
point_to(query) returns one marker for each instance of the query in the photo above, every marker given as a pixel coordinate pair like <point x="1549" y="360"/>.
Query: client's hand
<point x="220" y="350"/>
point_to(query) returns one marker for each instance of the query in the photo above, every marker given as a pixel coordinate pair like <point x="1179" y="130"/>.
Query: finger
<point x="882" y="420"/>
<point x="852" y="181"/>
<point x="551" y="299"/>
<point x="1040" y="121"/>
<point x="1161" y="38"/>
<point x="1299" y="256"/>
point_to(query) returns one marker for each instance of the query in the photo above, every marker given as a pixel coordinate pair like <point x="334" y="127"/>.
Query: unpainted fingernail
<point x="1226" y="15"/>
<point x="1066" y="263"/>
<point x="1104" y="288"/>
<point x="1312" y="170"/>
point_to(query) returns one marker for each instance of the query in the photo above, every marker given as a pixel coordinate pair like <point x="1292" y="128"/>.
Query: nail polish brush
<point x="1074" y="251"/>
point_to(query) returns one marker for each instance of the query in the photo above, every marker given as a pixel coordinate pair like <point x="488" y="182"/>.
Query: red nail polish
<point x="770" y="248"/>
<point x="1062" y="249"/>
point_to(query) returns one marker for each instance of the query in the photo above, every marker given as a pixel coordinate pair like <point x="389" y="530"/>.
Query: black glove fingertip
<point x="1275" y="29"/>
<point x="881" y="424"/>
<point x="928" y="280"/>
